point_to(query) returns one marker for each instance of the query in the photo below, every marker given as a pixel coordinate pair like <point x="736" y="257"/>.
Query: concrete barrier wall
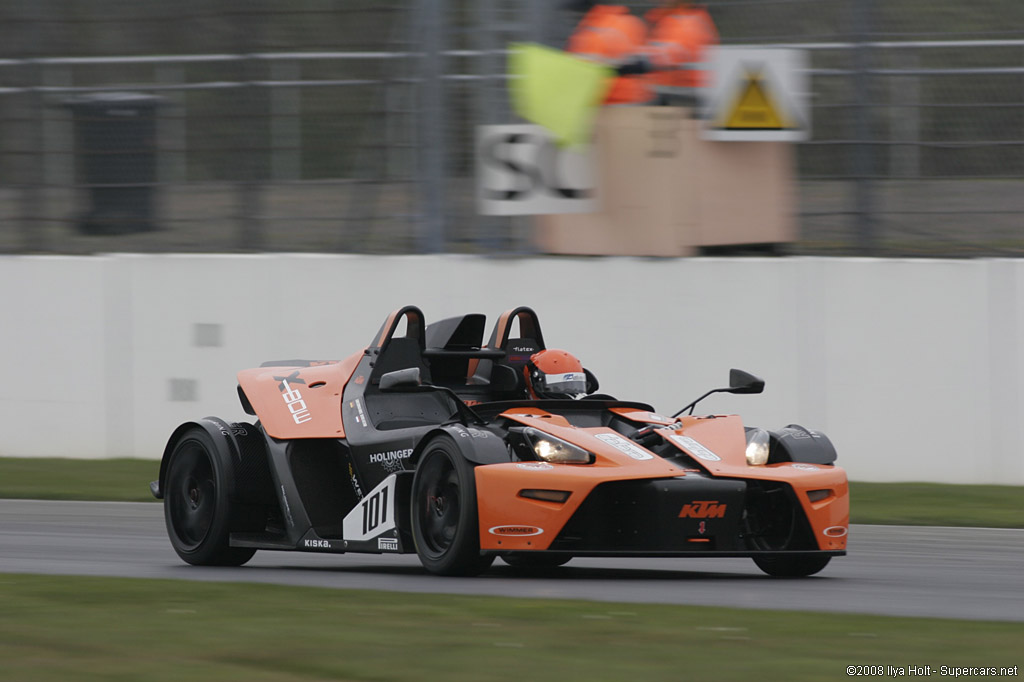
<point x="913" y="368"/>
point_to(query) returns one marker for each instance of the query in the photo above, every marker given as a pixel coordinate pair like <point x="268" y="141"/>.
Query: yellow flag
<point x="557" y="90"/>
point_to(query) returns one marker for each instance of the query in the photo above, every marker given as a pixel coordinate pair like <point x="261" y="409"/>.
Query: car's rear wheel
<point x="535" y="560"/>
<point x="444" y="513"/>
<point x="197" y="509"/>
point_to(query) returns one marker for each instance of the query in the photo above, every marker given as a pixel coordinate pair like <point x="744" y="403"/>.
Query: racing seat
<point x="396" y="410"/>
<point x="517" y="353"/>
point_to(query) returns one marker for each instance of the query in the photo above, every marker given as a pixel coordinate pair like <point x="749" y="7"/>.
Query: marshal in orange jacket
<point x="609" y="34"/>
<point x="679" y="40"/>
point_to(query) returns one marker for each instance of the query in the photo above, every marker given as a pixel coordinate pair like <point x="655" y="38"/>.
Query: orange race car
<point x="431" y="441"/>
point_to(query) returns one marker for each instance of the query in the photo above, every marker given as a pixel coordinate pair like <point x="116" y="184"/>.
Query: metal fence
<point x="348" y="126"/>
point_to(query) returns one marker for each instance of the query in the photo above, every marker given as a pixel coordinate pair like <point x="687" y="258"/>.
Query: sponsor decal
<point x="389" y="456"/>
<point x="233" y="431"/>
<point x="293" y="399"/>
<point x="287" y="507"/>
<point x="357" y="408"/>
<point x="695" y="448"/>
<point x="702" y="509"/>
<point x="835" y="531"/>
<point x="387" y="544"/>
<point x="316" y="544"/>
<point x="471" y="432"/>
<point x="804" y="467"/>
<point x="624" y="446"/>
<point x="702" y="527"/>
<point x="522" y="349"/>
<point x="535" y="466"/>
<point x="356" y="488"/>
<point x="360" y="379"/>
<point x="518" y="531"/>
<point x="566" y="377"/>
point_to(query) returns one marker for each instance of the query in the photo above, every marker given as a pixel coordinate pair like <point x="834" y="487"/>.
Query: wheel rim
<point x="192" y="495"/>
<point x="438" y="508"/>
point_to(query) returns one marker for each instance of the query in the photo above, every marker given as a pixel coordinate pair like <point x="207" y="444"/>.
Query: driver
<point x="554" y="373"/>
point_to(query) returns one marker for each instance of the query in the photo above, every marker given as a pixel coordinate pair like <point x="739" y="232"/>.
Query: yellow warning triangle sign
<point x="754" y="108"/>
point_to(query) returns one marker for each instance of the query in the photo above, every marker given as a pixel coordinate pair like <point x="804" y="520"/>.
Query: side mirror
<point x="744" y="382"/>
<point x="401" y="378"/>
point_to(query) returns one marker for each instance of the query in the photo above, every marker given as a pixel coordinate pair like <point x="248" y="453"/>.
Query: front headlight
<point x="551" y="449"/>
<point x="758" y="442"/>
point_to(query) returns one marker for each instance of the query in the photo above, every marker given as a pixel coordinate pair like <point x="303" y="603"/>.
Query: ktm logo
<point x="703" y="509"/>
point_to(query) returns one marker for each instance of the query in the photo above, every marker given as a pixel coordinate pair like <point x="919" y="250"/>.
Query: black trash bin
<point x="115" y="135"/>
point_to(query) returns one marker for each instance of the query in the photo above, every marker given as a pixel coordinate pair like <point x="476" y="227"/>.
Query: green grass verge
<point x="887" y="503"/>
<point x="63" y="629"/>
<point x="123" y="480"/>
<point x="932" y="504"/>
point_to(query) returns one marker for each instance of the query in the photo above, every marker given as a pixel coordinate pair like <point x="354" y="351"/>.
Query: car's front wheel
<point x="792" y="565"/>
<point x="444" y="513"/>
<point x="197" y="509"/>
<point x="775" y="525"/>
<point x="535" y="561"/>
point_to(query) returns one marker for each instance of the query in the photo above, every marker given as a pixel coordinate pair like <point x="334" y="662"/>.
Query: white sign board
<point x="520" y="170"/>
<point x="757" y="95"/>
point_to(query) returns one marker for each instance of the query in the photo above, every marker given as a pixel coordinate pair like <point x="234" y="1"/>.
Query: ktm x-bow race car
<point x="430" y="441"/>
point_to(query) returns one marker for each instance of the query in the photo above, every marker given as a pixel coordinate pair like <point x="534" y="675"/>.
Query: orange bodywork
<point x="299" y="402"/>
<point x="509" y="521"/>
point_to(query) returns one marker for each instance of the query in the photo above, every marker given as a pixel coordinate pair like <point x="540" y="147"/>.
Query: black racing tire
<point x="774" y="522"/>
<point x="197" y="508"/>
<point x="792" y="565"/>
<point x="445" y="522"/>
<point x="532" y="561"/>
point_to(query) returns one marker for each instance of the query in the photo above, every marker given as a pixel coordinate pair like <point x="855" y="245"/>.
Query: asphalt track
<point x="965" y="573"/>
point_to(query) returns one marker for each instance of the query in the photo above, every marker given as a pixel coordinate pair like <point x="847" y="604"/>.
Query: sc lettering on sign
<point x="522" y="171"/>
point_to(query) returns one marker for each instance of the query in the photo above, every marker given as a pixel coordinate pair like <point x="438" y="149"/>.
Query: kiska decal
<point x="519" y="531"/>
<point x="316" y="544"/>
<point x="293" y="399"/>
<point x="696" y="449"/>
<point x="624" y="446"/>
<point x="703" y="509"/>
